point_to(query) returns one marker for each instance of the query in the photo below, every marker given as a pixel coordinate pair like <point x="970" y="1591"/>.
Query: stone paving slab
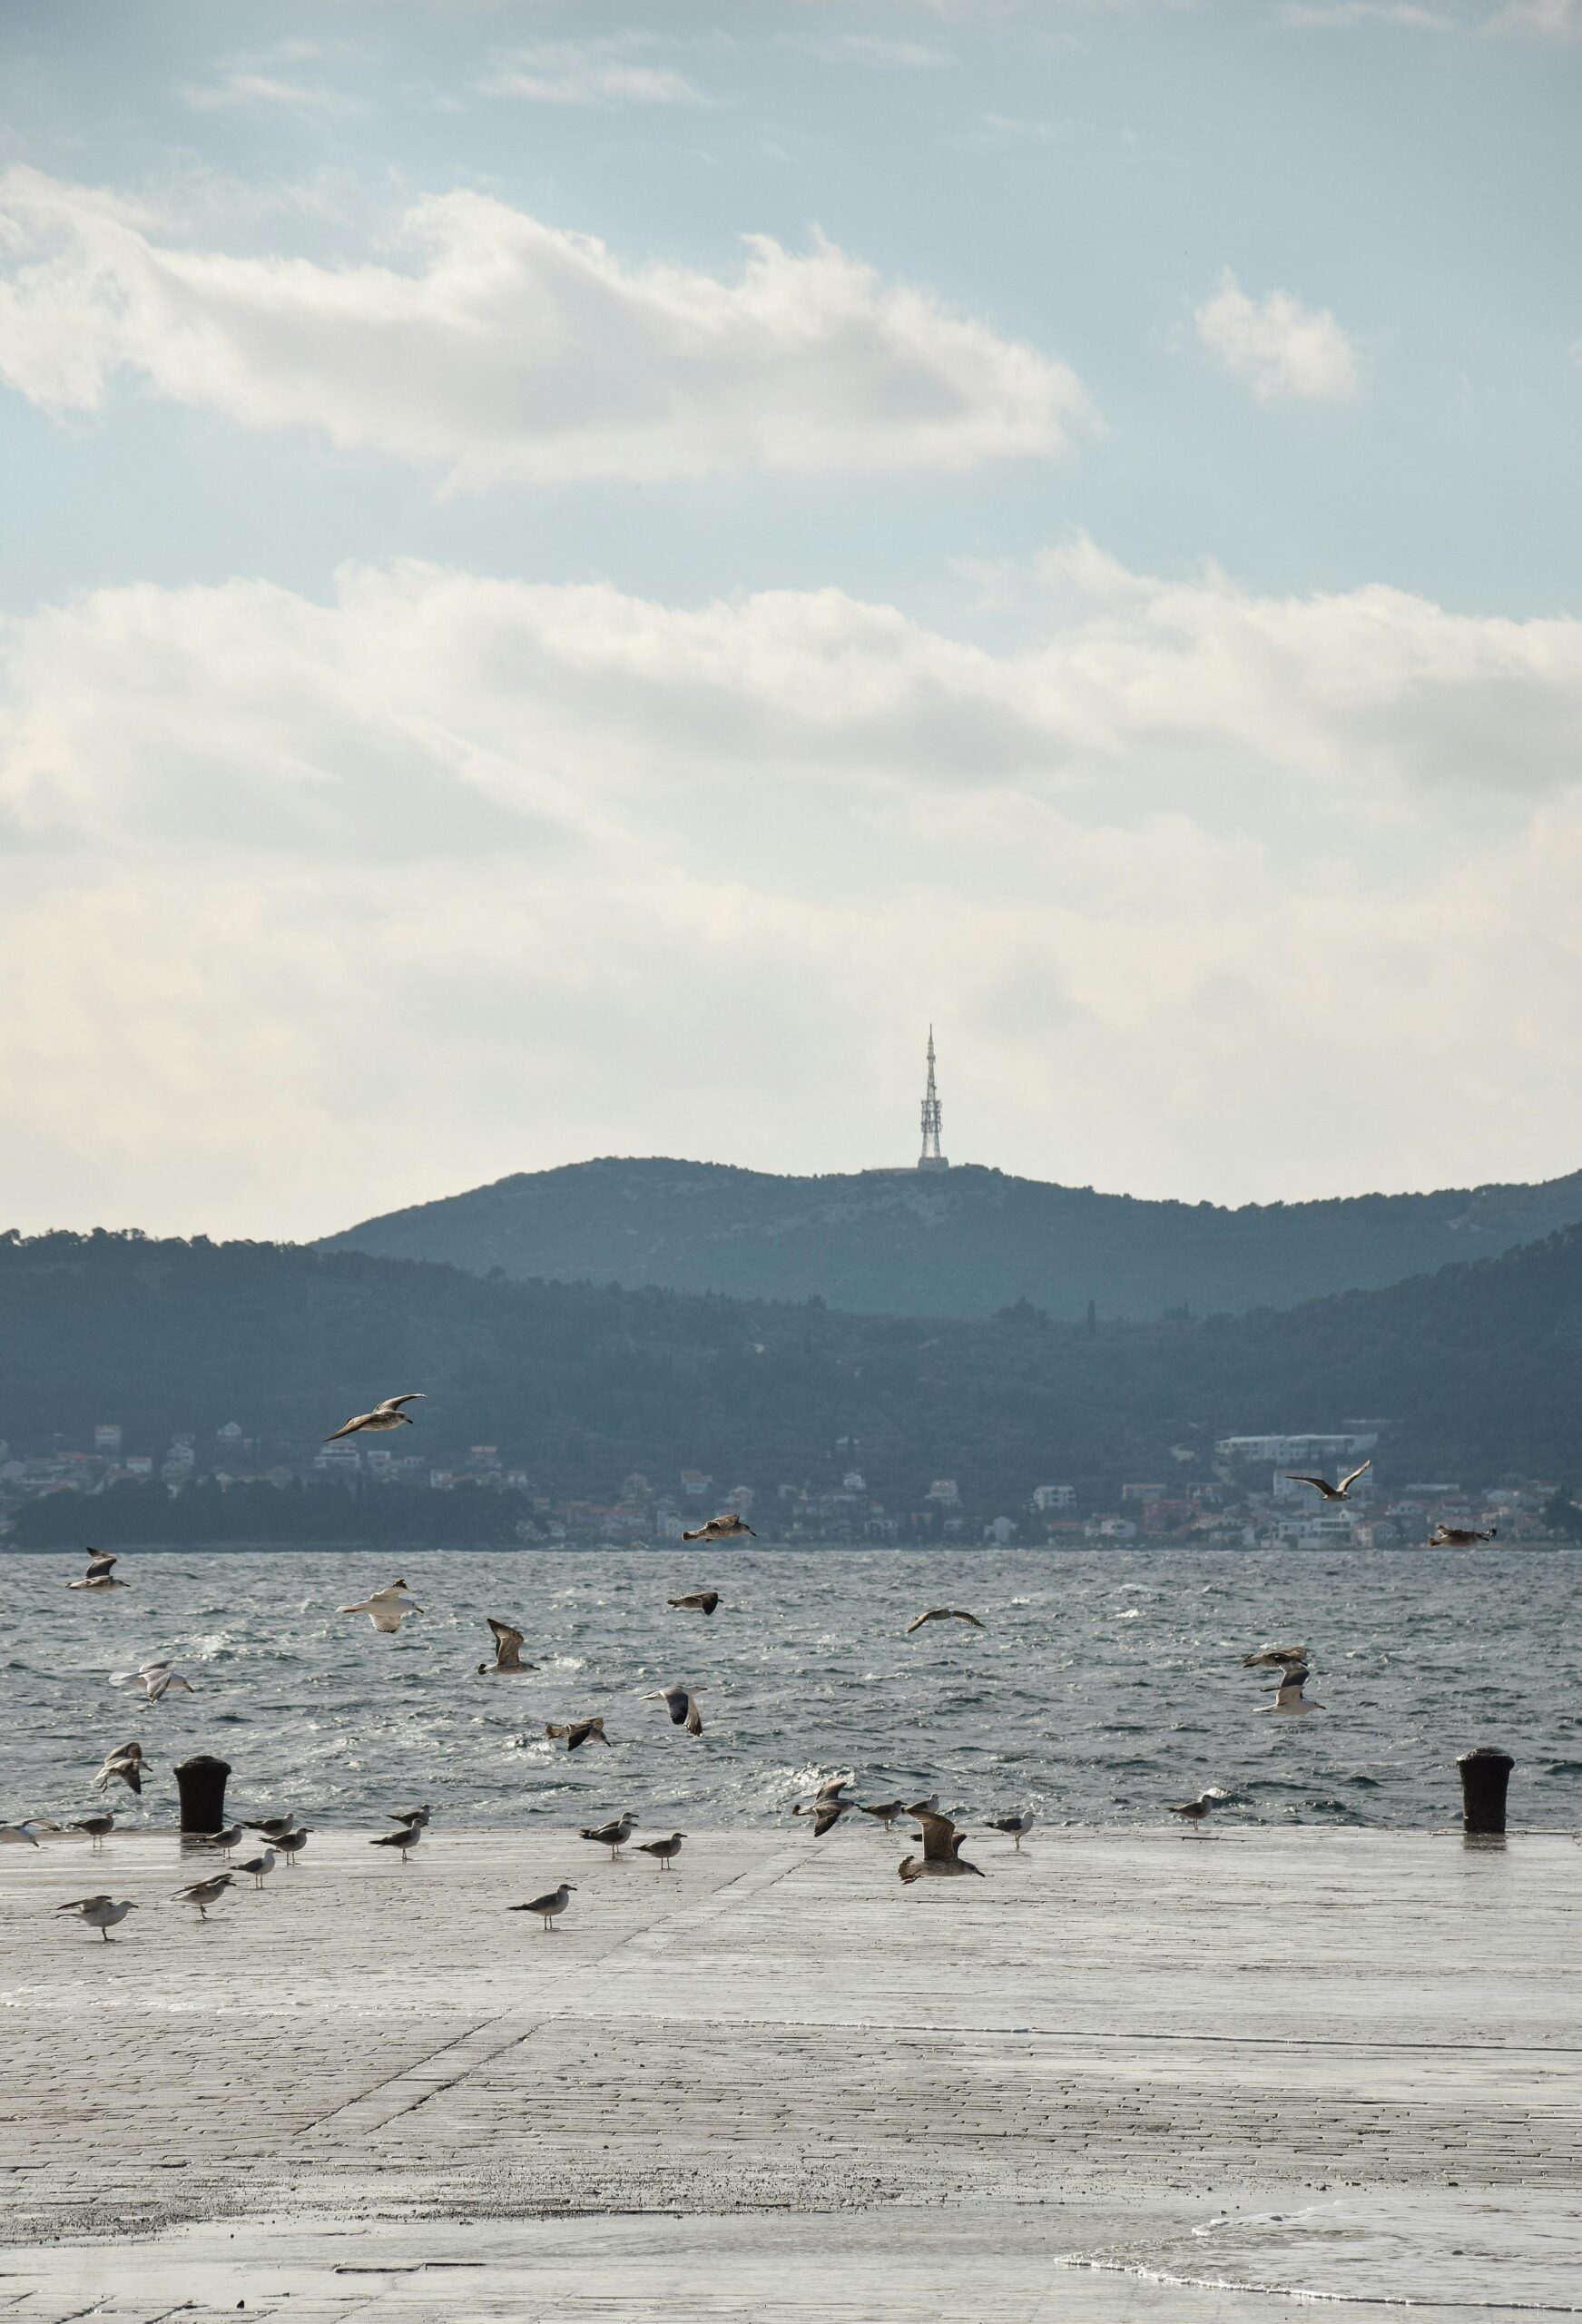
<point x="1125" y="2075"/>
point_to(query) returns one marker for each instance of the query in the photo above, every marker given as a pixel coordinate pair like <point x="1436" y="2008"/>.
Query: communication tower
<point x="930" y="1158"/>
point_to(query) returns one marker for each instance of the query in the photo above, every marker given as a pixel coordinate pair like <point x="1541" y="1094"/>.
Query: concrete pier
<point x="1125" y="2077"/>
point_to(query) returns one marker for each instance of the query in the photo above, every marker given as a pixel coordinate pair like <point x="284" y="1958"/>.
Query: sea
<point x="1101" y="1688"/>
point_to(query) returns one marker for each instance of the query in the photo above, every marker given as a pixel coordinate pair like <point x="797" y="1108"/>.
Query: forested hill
<point x="1478" y="1369"/>
<point x="962" y="1242"/>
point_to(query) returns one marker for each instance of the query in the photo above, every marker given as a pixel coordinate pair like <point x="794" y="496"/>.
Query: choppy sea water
<point x="1101" y="1688"/>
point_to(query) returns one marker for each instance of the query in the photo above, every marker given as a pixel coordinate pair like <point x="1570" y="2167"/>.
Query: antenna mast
<point x="930" y="1158"/>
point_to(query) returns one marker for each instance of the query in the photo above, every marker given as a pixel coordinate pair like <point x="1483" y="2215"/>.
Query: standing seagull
<point x="102" y="1913"/>
<point x="1195" y="1812"/>
<point x="576" y="1732"/>
<point x="99" y="1575"/>
<point x="681" y="1706"/>
<point x="827" y="1807"/>
<point x="386" y="1607"/>
<point x="204" y="1893"/>
<point x="126" y="1764"/>
<point x="700" y="1601"/>
<point x="1460" y="1537"/>
<point x="944" y="1614"/>
<point x="548" y="1908"/>
<point x="405" y="1838"/>
<point x="888" y="1811"/>
<point x="1322" y="1485"/>
<point x="1289" y="1701"/>
<point x="613" y="1836"/>
<point x="721" y="1528"/>
<point x="1017" y="1826"/>
<point x="273" y="1826"/>
<point x="507" y="1662"/>
<point x="97" y="1827"/>
<point x="941" y="1858"/>
<point x="386" y="1414"/>
<point x="664" y="1852"/>
<point x="291" y="1846"/>
<point x="223" y="1842"/>
<point x="259" y="1866"/>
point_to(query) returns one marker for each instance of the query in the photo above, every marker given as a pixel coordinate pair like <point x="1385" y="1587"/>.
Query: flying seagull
<point x="1460" y="1537"/>
<point x="1328" y="1492"/>
<point x="386" y="1607"/>
<point x="1289" y="1701"/>
<point x="702" y="1601"/>
<point x="157" y="1680"/>
<point x="26" y="1834"/>
<point x="944" y="1614"/>
<point x="1195" y="1813"/>
<point x="507" y="1662"/>
<point x="613" y="1836"/>
<point x="99" y="1575"/>
<point x="386" y="1415"/>
<point x="405" y="1838"/>
<point x="664" y="1852"/>
<point x="941" y="1858"/>
<point x="126" y="1764"/>
<point x="548" y="1908"/>
<point x="1274" y="1657"/>
<point x="827" y="1807"/>
<point x="417" y="1817"/>
<point x="681" y="1706"/>
<point x="102" y="1913"/>
<point x="97" y="1827"/>
<point x="204" y="1893"/>
<point x="1016" y="1826"/>
<point x="721" y="1528"/>
<point x="576" y="1732"/>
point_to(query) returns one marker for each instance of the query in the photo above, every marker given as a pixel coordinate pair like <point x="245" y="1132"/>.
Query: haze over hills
<point x="961" y="1242"/>
<point x="1477" y="1368"/>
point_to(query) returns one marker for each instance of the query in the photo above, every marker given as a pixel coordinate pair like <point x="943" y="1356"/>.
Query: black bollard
<point x="1485" y="1774"/>
<point x="201" y="1784"/>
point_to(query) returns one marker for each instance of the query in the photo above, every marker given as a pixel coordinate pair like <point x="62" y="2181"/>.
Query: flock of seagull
<point x="284" y="1838"/>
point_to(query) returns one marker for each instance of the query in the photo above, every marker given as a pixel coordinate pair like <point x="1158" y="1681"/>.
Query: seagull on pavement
<point x="386" y="1607"/>
<point x="386" y="1415"/>
<point x="941" y="1858"/>
<point x="664" y="1852"/>
<point x="1195" y="1812"/>
<point x="548" y="1908"/>
<point x="204" y="1893"/>
<point x="507" y="1662"/>
<point x="291" y="1846"/>
<point x="99" y="1575"/>
<point x="259" y="1866"/>
<point x="405" y="1838"/>
<point x="97" y="1827"/>
<point x="613" y="1836"/>
<point x="888" y="1811"/>
<point x="102" y="1913"/>
<point x="944" y="1614"/>
<point x="827" y="1807"/>
<point x="223" y="1841"/>
<point x="681" y="1706"/>
<point x="577" y="1732"/>
<point x="1017" y="1826"/>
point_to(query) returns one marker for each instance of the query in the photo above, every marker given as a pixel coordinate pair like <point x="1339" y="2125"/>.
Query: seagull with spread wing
<point x="100" y="1574"/>
<point x="385" y="1608"/>
<point x="680" y="1702"/>
<point x="697" y="1601"/>
<point x="385" y="1415"/>
<point x="1328" y="1492"/>
<point x="575" y="1733"/>
<point x="1460" y="1537"/>
<point x="157" y="1680"/>
<point x="944" y="1614"/>
<point x="124" y="1765"/>
<point x="827" y="1806"/>
<point x="1289" y="1702"/>
<point x="941" y="1858"/>
<point x="507" y="1662"/>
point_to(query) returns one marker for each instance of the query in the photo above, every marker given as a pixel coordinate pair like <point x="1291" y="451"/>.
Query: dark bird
<point x="1460" y="1537"/>
<point x="1195" y="1812"/>
<point x="100" y="1574"/>
<point x="550" y="1906"/>
<point x="613" y="1836"/>
<point x="701" y="1602"/>
<point x="721" y="1528"/>
<point x="1273" y="1657"/>
<point x="664" y="1852"/>
<point x="827" y="1807"/>
<point x="941" y="1858"/>
<point x="576" y="1732"/>
<point x="1331" y="1493"/>
<point x="681" y="1706"/>
<point x="944" y="1614"/>
<point x="125" y="1766"/>
<point x="507" y="1662"/>
<point x="889" y="1811"/>
<point x="405" y="1838"/>
<point x="386" y="1415"/>
<point x="97" y="1827"/>
<point x="414" y="1815"/>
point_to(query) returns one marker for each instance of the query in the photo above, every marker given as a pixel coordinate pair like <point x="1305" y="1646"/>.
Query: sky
<point x="574" y="575"/>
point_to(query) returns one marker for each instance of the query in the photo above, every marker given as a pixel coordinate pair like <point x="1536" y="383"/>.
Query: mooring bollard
<point x="201" y="1784"/>
<point x="1485" y="1774"/>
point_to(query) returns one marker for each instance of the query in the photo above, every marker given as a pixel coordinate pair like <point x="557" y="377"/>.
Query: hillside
<point x="965" y="1242"/>
<point x="1478" y="1369"/>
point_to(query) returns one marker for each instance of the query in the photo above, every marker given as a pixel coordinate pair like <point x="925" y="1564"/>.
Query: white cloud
<point x="237" y="91"/>
<point x="513" y="352"/>
<point x="1279" y="347"/>
<point x="312" y="909"/>
<point x="609" y="69"/>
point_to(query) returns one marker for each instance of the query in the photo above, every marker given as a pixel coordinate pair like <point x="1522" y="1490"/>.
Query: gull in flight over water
<point x="1460" y="1537"/>
<point x="944" y="1614"/>
<point x="507" y="1662"/>
<point x="941" y="1858"/>
<point x="548" y="1908"/>
<point x="204" y="1893"/>
<point x="126" y="1764"/>
<point x="157" y="1680"/>
<point x="682" y="1705"/>
<point x="386" y="1607"/>
<point x="1322" y="1485"/>
<point x="1274" y="1657"/>
<point x="386" y="1415"/>
<point x="827" y="1807"/>
<point x="99" y="1575"/>
<point x="405" y="1838"/>
<point x="1016" y="1826"/>
<point x="26" y="1834"/>
<point x="1195" y="1813"/>
<point x="613" y="1836"/>
<point x="418" y="1817"/>
<point x="701" y="1602"/>
<point x="664" y="1852"/>
<point x="102" y="1913"/>
<point x="1289" y="1701"/>
<point x="576" y="1732"/>
<point x="721" y="1528"/>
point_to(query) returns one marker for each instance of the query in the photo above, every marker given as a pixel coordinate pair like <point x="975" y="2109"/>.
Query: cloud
<point x="238" y="89"/>
<point x="513" y="352"/>
<point x="312" y="907"/>
<point x="868" y="48"/>
<point x="1281" y="349"/>
<point x="610" y="69"/>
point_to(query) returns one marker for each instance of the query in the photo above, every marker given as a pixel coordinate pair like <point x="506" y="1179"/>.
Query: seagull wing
<point x="917" y="1625"/>
<point x="1318" y="1485"/>
<point x="1347" y="1483"/>
<point x="99" y="1564"/>
<point x="508" y="1645"/>
<point x="1290" y="1687"/>
<point x="394" y="1403"/>
<point x="693" y="1717"/>
<point x="1273" y="1657"/>
<point x="939" y="1839"/>
<point x="383" y="1618"/>
<point x="349" y="1427"/>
